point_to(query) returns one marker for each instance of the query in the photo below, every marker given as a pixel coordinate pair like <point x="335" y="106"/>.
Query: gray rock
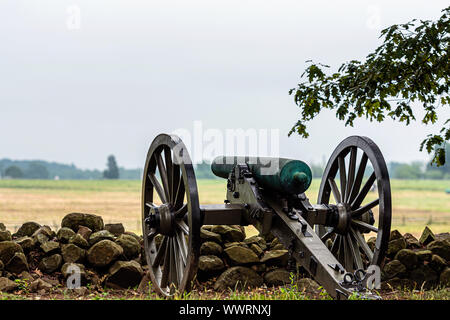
<point x="40" y="285"/>
<point x="72" y="253"/>
<point x="427" y="236"/>
<point x="274" y="242"/>
<point x="17" y="264"/>
<point x="8" y="249"/>
<point x="307" y="285"/>
<point x="275" y="258"/>
<point x="278" y="247"/>
<point x="424" y="255"/>
<point x="7" y="285"/>
<point x="444" y="279"/>
<point x="124" y="274"/>
<point x="211" y="248"/>
<point x="131" y="247"/>
<point x="27" y="243"/>
<point x="27" y="229"/>
<point x="238" y="278"/>
<point x="50" y="247"/>
<point x="104" y="253"/>
<point x="256" y="249"/>
<point x="44" y="230"/>
<point x="115" y="228"/>
<point x="441" y="248"/>
<point x="79" y="241"/>
<point x="51" y="264"/>
<point x="411" y="241"/>
<point x="229" y="233"/>
<point x="40" y="239"/>
<point x="99" y="236"/>
<point x="443" y="236"/>
<point x="85" y="232"/>
<point x="395" y="246"/>
<point x="393" y="269"/>
<point x="371" y="242"/>
<point x="5" y="235"/>
<point x="210" y="236"/>
<point x="395" y="234"/>
<point x="277" y="277"/>
<point x="240" y="255"/>
<point x="64" y="235"/>
<point x="256" y="240"/>
<point x="424" y="274"/>
<point x="210" y="264"/>
<point x="75" y="220"/>
<point x="260" y="267"/>
<point x="232" y="244"/>
<point x="407" y="257"/>
<point x="437" y="263"/>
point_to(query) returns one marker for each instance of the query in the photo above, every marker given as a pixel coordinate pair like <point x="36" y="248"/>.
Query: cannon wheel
<point x="170" y="226"/>
<point x="350" y="187"/>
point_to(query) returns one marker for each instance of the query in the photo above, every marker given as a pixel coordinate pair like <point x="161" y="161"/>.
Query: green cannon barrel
<point x="280" y="174"/>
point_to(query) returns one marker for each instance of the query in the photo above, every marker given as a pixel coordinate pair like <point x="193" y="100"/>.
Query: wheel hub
<point x="343" y="218"/>
<point x="161" y="218"/>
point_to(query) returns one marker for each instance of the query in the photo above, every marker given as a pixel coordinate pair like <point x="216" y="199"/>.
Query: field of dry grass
<point x="415" y="203"/>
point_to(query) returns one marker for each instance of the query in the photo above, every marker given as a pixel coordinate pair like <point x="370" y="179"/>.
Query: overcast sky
<point x="80" y="80"/>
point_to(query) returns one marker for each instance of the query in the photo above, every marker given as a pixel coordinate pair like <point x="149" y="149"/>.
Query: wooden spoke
<point x="358" y="212"/>
<point x="363" y="193"/>
<point x="182" y="247"/>
<point x="166" y="266"/>
<point x="163" y="175"/>
<point x="150" y="204"/>
<point x="169" y="170"/>
<point x="173" y="276"/>
<point x="341" y="249"/>
<point x="183" y="227"/>
<point x="358" y="180"/>
<point x="335" y="190"/>
<point x="327" y="235"/>
<point x="151" y="235"/>
<point x="178" y="260"/>
<point x="351" y="173"/>
<point x="362" y="243"/>
<point x="161" y="253"/>
<point x="180" y="213"/>
<point x="365" y="225"/>
<point x="175" y="183"/>
<point x="342" y="175"/>
<point x="347" y="255"/>
<point x="157" y="187"/>
<point x="335" y="245"/>
<point x="354" y="249"/>
<point x="179" y="198"/>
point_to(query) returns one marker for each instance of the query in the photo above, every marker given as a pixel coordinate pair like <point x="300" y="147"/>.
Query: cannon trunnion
<point x="327" y="238"/>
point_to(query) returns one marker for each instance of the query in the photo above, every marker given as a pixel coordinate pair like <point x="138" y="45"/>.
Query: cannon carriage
<point x="326" y="238"/>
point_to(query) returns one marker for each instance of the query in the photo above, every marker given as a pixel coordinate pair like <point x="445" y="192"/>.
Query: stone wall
<point x="107" y="255"/>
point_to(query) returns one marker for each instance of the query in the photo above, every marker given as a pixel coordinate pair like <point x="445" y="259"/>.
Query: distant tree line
<point x="38" y="169"/>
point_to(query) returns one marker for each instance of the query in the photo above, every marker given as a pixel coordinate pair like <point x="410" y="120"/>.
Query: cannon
<point x="328" y="239"/>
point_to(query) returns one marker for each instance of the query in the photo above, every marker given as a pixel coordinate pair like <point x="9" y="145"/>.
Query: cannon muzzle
<point x="279" y="174"/>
